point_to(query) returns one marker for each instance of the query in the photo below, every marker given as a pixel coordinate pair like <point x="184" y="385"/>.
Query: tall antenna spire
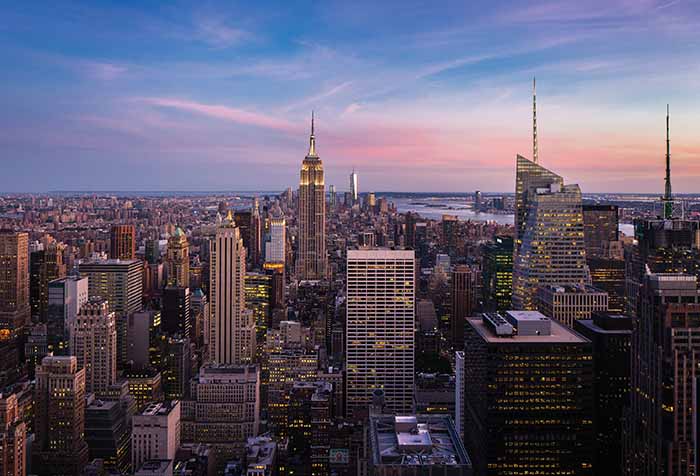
<point x="312" y="139"/>
<point x="668" y="195"/>
<point x="534" y="120"/>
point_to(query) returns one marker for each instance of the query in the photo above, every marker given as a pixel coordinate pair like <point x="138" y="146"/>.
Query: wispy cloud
<point x="225" y="113"/>
<point x="214" y="31"/>
<point x="317" y="98"/>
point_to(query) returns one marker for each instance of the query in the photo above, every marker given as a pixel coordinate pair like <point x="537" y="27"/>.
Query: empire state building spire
<point x="312" y="139"/>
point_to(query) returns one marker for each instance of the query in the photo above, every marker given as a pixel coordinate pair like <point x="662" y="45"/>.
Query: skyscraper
<point x="276" y="245"/>
<point x="256" y="234"/>
<point x="497" y="274"/>
<point x="528" y="397"/>
<point x="312" y="260"/>
<point x="122" y="242"/>
<point x="600" y="224"/>
<point x="232" y="328"/>
<point x="93" y="342"/>
<point x="331" y="197"/>
<point x="13" y="437"/>
<point x="380" y="328"/>
<point x="463" y="286"/>
<point x="354" y="191"/>
<point x="59" y="446"/>
<point x="611" y="335"/>
<point x="178" y="259"/>
<point x="549" y="247"/>
<point x="14" y="281"/>
<point x="660" y="436"/>
<point x="45" y="265"/>
<point x="66" y="296"/>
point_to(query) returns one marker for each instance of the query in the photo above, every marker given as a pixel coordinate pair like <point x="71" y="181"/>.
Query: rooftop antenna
<point x="668" y="194"/>
<point x="535" y="157"/>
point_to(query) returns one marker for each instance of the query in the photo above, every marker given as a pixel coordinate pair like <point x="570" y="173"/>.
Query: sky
<point x="415" y="95"/>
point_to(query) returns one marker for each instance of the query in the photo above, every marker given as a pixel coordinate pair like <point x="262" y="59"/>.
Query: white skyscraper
<point x="232" y="328"/>
<point x="380" y="328"/>
<point x="93" y="341"/>
<point x="275" y="247"/>
<point x="354" y="192"/>
<point x="155" y="433"/>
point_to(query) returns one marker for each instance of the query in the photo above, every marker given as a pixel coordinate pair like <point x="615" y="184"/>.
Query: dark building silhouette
<point x="611" y="335"/>
<point x="528" y="398"/>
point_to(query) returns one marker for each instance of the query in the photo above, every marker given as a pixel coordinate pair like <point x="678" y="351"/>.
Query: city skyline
<point x="434" y="100"/>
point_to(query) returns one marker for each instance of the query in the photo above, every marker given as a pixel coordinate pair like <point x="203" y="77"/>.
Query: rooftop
<point x="558" y="332"/>
<point x="571" y="289"/>
<point x="416" y="440"/>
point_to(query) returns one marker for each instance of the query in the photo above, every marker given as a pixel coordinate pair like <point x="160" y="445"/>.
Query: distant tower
<point x="178" y="259"/>
<point x="668" y="195"/>
<point x="354" y="193"/>
<point x="311" y="264"/>
<point x="534" y="121"/>
<point x="122" y="242"/>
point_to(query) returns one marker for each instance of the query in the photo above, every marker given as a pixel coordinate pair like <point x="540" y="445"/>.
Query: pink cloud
<point x="225" y="113"/>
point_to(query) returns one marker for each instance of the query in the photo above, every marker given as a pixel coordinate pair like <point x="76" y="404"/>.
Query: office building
<point x="428" y="335"/>
<point x="659" y="434"/>
<point x="59" y="446"/>
<point x="66" y="296"/>
<point x="117" y="281"/>
<point x="176" y="313"/>
<point x="354" y="190"/>
<point x="309" y="423"/>
<point x="142" y="332"/>
<point x="566" y="303"/>
<point x="528" y="398"/>
<point x="15" y="310"/>
<point x="232" y="327"/>
<point x="600" y="226"/>
<point x="223" y="410"/>
<point x="13" y="437"/>
<point x="145" y="385"/>
<point x="256" y="235"/>
<point x="258" y="291"/>
<point x="412" y="445"/>
<point x="155" y="433"/>
<point x="311" y="252"/>
<point x="611" y="335"/>
<point x="152" y="251"/>
<point x="332" y="195"/>
<point x="549" y="246"/>
<point x="45" y="265"/>
<point x="463" y="295"/>
<point x="497" y="274"/>
<point x="93" y="342"/>
<point x="281" y="368"/>
<point x="380" y="337"/>
<point x="108" y="434"/>
<point x="276" y="246"/>
<point x="178" y="259"/>
<point x="177" y="363"/>
<point x="122" y="242"/>
<point x="608" y="275"/>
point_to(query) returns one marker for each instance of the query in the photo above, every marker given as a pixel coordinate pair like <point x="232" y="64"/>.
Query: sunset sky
<point x="416" y="95"/>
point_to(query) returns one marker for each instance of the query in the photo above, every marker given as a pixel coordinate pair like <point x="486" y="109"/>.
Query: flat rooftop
<point x="416" y="440"/>
<point x="559" y="334"/>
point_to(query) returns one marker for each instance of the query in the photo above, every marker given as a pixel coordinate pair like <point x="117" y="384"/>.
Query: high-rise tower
<point x="549" y="246"/>
<point x="178" y="259"/>
<point x="354" y="193"/>
<point x="122" y="242"/>
<point x="232" y="328"/>
<point x="380" y="339"/>
<point x="14" y="280"/>
<point x="312" y="260"/>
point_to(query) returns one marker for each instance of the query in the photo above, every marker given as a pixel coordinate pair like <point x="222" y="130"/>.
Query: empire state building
<point x="312" y="260"/>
